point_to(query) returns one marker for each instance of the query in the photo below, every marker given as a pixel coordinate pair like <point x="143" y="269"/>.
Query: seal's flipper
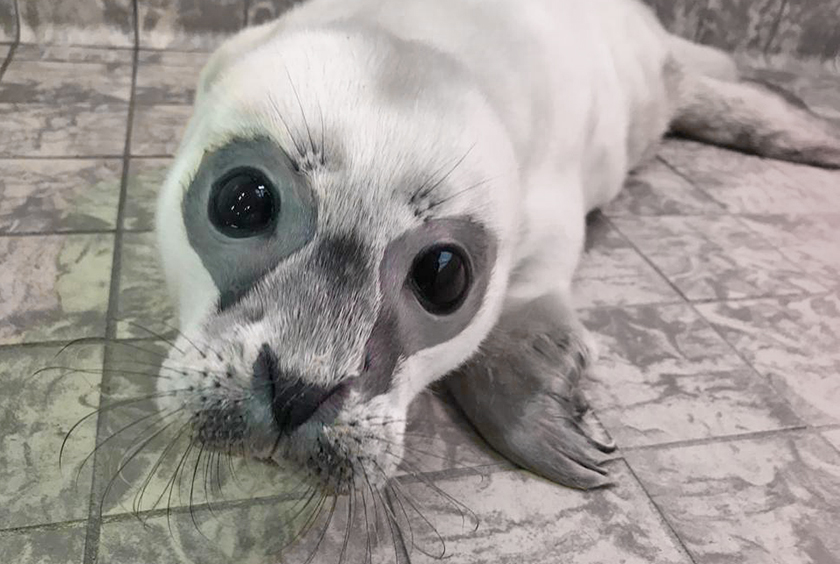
<point x="522" y="393"/>
<point x="748" y="116"/>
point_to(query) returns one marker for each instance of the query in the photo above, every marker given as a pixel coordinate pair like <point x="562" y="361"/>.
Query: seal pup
<point x="372" y="195"/>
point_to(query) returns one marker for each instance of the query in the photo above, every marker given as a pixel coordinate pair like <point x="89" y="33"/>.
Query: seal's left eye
<point x="243" y="203"/>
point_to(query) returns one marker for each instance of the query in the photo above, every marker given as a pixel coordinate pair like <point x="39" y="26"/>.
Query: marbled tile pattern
<point x="804" y="29"/>
<point x="724" y="405"/>
<point x="80" y="22"/>
<point x="53" y="195"/>
<point x="54" y="287"/>
<point x="763" y="501"/>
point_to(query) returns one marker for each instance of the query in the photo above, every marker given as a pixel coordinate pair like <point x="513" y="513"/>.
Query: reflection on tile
<point x="54" y="287"/>
<point x="252" y="534"/>
<point x="144" y="296"/>
<point x="262" y="11"/>
<point x="739" y="25"/>
<point x="526" y="519"/>
<point x="72" y="54"/>
<point x="611" y="272"/>
<point x="55" y="546"/>
<point x="715" y="257"/>
<point x="746" y="184"/>
<point x="763" y="501"/>
<point x="809" y="29"/>
<point x="158" y="129"/>
<point x="145" y="177"/>
<point x="38" y="410"/>
<point x="82" y="22"/>
<point x="28" y="82"/>
<point x="655" y="189"/>
<point x="809" y="242"/>
<point x="664" y="375"/>
<point x="439" y="437"/>
<point x="679" y="17"/>
<point x="59" y="195"/>
<point x="37" y="130"/>
<point x="792" y="341"/>
<point x="188" y="25"/>
<point x="168" y="77"/>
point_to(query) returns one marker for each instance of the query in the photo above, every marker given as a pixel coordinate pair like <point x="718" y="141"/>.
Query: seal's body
<point x="371" y="195"/>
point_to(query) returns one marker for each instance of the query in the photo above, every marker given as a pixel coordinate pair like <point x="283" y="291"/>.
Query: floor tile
<point x="261" y="11"/>
<point x="145" y="460"/>
<point x="747" y="184"/>
<point x="158" y="130"/>
<point x="612" y="272"/>
<point x="656" y="189"/>
<point x="82" y="22"/>
<point x="36" y="82"/>
<point x="736" y="26"/>
<point x="8" y="21"/>
<point x="664" y="375"/>
<point x="38" y="130"/>
<point x="710" y="258"/>
<point x="794" y="343"/>
<point x="73" y="54"/>
<point x="681" y="18"/>
<point x="833" y="437"/>
<point x="807" y="29"/>
<point x="4" y="51"/>
<point x="764" y="501"/>
<point x="165" y="77"/>
<point x="526" y="519"/>
<point x="145" y="178"/>
<point x="808" y="241"/>
<point x="59" y="195"/>
<point x="38" y="410"/>
<point x="54" y="546"/>
<point x="249" y="534"/>
<point x="439" y="437"/>
<point x="184" y="25"/>
<point x="54" y="287"/>
<point x="144" y="296"/>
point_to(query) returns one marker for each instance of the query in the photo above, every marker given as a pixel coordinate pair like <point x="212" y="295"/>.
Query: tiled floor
<point x="712" y="285"/>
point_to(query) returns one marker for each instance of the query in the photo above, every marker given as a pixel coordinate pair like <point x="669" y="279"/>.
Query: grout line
<point x="17" y="20"/>
<point x="790" y="430"/>
<point x="8" y="60"/>
<point x="94" y="524"/>
<point x="86" y="341"/>
<point x="44" y="526"/>
<point x="13" y="234"/>
<point x="79" y="157"/>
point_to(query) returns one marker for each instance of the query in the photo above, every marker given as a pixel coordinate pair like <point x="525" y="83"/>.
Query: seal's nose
<point x="293" y="401"/>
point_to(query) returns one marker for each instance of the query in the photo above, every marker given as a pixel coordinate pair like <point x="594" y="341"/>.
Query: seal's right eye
<point x="243" y="203"/>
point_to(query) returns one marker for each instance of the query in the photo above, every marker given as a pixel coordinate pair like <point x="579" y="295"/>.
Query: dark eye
<point x="242" y="204"/>
<point x="440" y="278"/>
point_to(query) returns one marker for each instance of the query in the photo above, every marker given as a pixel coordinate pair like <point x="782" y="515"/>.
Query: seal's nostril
<point x="293" y="401"/>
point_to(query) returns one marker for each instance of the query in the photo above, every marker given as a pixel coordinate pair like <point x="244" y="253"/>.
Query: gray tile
<point x="251" y="534"/>
<point x="4" y="52"/>
<point x="262" y="11"/>
<point x="82" y="22"/>
<point x="54" y="287"/>
<point x="158" y="129"/>
<point x="142" y="450"/>
<point x="656" y="189"/>
<point x="38" y="410"/>
<point x="145" y="177"/>
<point x="40" y="130"/>
<point x="30" y="82"/>
<point x="793" y="342"/>
<point x="711" y="258"/>
<point x="166" y="77"/>
<point x="189" y="25"/>
<point x="72" y="54"/>
<point x="144" y="296"/>
<point x="664" y="375"/>
<point x="739" y="24"/>
<point x="763" y="501"/>
<point x="53" y="546"/>
<point x="833" y="437"/>
<point x="8" y="21"/>
<point x="526" y="519"/>
<point x="809" y="29"/>
<point x="59" y="195"/>
<point x="612" y="272"/>
<point x="746" y="184"/>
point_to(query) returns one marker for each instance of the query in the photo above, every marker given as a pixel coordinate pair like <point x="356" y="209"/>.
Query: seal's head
<point x="335" y="230"/>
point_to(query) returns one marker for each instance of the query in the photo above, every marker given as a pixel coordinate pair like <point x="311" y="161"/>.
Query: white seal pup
<point x="372" y="195"/>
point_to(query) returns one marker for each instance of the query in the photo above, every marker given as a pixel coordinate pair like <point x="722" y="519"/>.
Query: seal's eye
<point x="440" y="278"/>
<point x="242" y="203"/>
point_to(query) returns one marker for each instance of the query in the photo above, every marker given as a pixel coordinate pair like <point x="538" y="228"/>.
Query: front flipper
<point x="522" y="393"/>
